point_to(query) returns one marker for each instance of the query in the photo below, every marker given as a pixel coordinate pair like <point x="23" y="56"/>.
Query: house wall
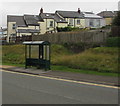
<point x="42" y="27"/>
<point x="97" y="23"/>
<point x="62" y="24"/>
<point x="48" y="27"/>
<point x="29" y="27"/>
<point x="45" y="26"/>
<point x="20" y="34"/>
<point x="82" y="23"/>
<point x="10" y="29"/>
<point x="108" y="21"/>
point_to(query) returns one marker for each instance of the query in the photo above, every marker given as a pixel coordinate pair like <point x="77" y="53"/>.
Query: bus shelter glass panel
<point x="34" y="51"/>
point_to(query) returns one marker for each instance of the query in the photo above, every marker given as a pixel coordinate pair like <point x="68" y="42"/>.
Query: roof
<point x="47" y="15"/>
<point x="18" y="19"/>
<point x="59" y="19"/>
<point x="3" y="29"/>
<point x="32" y="19"/>
<point x="25" y="20"/>
<point x="28" y="31"/>
<point x="91" y="15"/>
<point x="106" y="14"/>
<point x="36" y="42"/>
<point x="70" y="14"/>
<point x="52" y="16"/>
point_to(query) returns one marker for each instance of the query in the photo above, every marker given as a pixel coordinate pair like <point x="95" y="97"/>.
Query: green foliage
<point x="100" y="59"/>
<point x="67" y="69"/>
<point x="113" y="42"/>
<point x="69" y="28"/>
<point x="106" y="27"/>
<point x="116" y="20"/>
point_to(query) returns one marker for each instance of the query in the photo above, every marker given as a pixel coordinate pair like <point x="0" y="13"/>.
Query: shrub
<point x="69" y="28"/>
<point x="116" y="20"/>
<point x="113" y="42"/>
<point x="93" y="59"/>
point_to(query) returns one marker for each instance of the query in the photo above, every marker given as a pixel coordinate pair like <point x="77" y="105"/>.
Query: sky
<point x="20" y="7"/>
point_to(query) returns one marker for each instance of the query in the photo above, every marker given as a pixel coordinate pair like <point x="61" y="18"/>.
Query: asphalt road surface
<point x="27" y="89"/>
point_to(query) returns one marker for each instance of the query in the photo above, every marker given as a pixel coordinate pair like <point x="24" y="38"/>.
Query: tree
<point x="116" y="20"/>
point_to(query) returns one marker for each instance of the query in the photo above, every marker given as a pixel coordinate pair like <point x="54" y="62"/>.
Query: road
<point x="31" y="89"/>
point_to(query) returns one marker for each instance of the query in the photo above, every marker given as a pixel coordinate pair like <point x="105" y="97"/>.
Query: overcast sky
<point x="24" y="7"/>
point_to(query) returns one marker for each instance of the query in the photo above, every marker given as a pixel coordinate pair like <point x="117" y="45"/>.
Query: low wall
<point x="73" y="37"/>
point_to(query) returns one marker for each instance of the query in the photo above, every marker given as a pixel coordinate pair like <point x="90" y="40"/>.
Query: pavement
<point x="107" y="80"/>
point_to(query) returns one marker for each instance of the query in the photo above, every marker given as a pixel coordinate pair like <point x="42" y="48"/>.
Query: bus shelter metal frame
<point x="42" y="61"/>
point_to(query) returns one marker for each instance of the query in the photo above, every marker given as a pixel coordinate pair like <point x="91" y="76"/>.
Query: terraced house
<point x="48" y="22"/>
<point x="108" y="16"/>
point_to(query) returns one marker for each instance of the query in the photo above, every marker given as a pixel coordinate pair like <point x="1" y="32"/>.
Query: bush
<point x="116" y="21"/>
<point x="113" y="42"/>
<point x="67" y="29"/>
<point x="101" y="59"/>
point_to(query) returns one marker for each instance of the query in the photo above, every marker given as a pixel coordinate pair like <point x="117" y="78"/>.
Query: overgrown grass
<point x="100" y="59"/>
<point x="67" y="69"/>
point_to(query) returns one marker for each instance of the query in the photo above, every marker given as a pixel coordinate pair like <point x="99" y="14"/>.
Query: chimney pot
<point x="79" y="10"/>
<point x="41" y="10"/>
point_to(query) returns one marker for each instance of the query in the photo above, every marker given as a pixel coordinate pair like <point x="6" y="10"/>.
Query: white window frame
<point x="14" y="26"/>
<point x="51" y="24"/>
<point x="71" y="22"/>
<point x="78" y="21"/>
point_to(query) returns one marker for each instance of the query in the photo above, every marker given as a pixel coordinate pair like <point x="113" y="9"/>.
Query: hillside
<point x="102" y="59"/>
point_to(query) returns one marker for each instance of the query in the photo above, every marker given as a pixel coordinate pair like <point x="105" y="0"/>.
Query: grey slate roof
<point x="18" y="19"/>
<point x="47" y="15"/>
<point x="28" y="31"/>
<point x="32" y="19"/>
<point x="106" y="14"/>
<point x="58" y="19"/>
<point x="52" y="16"/>
<point x="70" y="14"/>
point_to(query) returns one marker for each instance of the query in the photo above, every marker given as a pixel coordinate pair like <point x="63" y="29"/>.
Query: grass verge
<point x="67" y="69"/>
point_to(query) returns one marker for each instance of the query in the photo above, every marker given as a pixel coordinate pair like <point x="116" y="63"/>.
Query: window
<point x="98" y="22"/>
<point x="13" y="35"/>
<point x="14" y="26"/>
<point x="91" y="23"/>
<point x="70" y="22"/>
<point x="51" y="23"/>
<point x="78" y="22"/>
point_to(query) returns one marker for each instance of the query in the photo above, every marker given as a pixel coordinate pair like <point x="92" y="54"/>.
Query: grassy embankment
<point x="99" y="61"/>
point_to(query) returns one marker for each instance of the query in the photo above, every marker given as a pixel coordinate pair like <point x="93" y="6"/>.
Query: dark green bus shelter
<point x="37" y="54"/>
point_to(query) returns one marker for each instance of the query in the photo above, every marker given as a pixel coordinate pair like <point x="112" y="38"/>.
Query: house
<point x="48" y="22"/>
<point x="81" y="19"/>
<point x="108" y="16"/>
<point x="51" y="21"/>
<point x="3" y="35"/>
<point x="22" y="25"/>
<point x="73" y="18"/>
<point x="92" y="20"/>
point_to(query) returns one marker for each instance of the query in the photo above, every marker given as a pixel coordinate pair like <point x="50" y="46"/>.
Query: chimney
<point x="41" y="10"/>
<point x="79" y="10"/>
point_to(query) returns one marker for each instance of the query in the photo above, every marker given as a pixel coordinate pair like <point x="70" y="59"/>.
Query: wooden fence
<point x="115" y="31"/>
<point x="20" y="39"/>
<point x="73" y="37"/>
